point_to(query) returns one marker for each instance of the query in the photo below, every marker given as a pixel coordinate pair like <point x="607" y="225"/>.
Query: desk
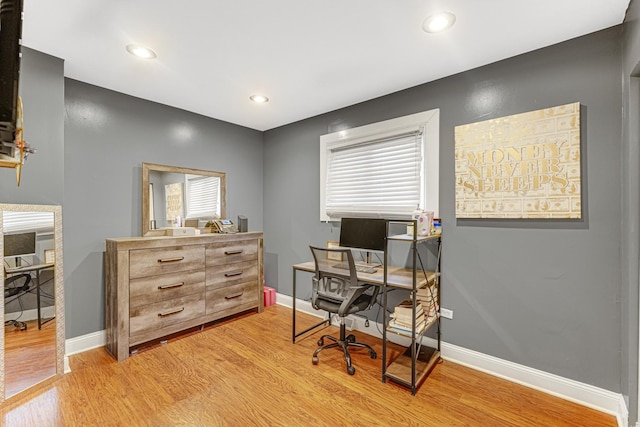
<point x="397" y="277"/>
<point x="28" y="269"/>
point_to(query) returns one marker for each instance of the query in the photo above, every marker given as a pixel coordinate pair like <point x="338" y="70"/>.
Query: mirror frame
<point x="147" y="168"/>
<point x="58" y="285"/>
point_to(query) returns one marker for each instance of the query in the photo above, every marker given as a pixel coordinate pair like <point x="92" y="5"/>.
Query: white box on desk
<point x="181" y="231"/>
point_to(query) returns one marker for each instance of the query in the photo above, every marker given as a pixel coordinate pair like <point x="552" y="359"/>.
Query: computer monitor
<point x="19" y="245"/>
<point x="363" y="233"/>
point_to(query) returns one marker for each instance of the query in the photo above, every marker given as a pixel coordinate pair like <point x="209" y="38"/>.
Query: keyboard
<point x="359" y="268"/>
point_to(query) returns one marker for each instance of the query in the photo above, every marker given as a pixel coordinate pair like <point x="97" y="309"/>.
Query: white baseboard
<point x="85" y="342"/>
<point x="574" y="391"/>
<point x="32" y="314"/>
<point x="82" y="343"/>
<point x="584" y="394"/>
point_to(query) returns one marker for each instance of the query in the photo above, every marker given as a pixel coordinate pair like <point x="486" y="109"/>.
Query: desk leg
<point x="38" y="298"/>
<point x="295" y="335"/>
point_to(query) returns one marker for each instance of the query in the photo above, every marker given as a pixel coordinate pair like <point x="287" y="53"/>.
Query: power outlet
<point x="446" y="313"/>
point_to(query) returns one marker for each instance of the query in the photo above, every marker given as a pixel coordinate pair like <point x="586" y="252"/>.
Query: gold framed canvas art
<point x="521" y="166"/>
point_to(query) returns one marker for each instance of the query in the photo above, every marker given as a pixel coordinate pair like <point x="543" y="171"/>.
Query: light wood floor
<point x="248" y="373"/>
<point x="30" y="355"/>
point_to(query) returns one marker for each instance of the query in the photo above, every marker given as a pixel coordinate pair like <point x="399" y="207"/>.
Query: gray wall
<point x="631" y="209"/>
<point x="42" y="92"/>
<point x="545" y="294"/>
<point x="107" y="137"/>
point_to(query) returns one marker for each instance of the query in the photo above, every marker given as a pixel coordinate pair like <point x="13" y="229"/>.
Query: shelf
<point x="400" y="369"/>
<point x="407" y="370"/>
<point x="404" y="279"/>
<point x="426" y="327"/>
<point x="431" y="277"/>
<point x="409" y="237"/>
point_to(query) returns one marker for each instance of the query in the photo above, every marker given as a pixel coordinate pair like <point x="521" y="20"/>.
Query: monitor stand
<point x="18" y="261"/>
<point x="369" y="262"/>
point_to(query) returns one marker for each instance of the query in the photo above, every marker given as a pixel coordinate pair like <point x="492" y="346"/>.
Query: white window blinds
<point x="384" y="169"/>
<point x="203" y="196"/>
<point x="379" y="176"/>
<point x="13" y="222"/>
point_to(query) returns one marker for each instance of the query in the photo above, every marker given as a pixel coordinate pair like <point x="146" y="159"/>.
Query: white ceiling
<point x="308" y="56"/>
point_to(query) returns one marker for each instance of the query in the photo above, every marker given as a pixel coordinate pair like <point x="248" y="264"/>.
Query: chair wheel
<point x="351" y="338"/>
<point x="373" y="355"/>
<point x="320" y="342"/>
<point x="351" y="370"/>
<point x="314" y="360"/>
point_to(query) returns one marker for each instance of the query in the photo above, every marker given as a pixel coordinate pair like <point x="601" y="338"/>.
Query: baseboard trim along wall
<point x="584" y="394"/>
<point x="574" y="391"/>
<point x="85" y="342"/>
<point x="32" y="314"/>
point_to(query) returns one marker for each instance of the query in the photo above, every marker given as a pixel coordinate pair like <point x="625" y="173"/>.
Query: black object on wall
<point x="10" y="36"/>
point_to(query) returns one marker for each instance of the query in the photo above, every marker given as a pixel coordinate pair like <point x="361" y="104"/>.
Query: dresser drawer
<point x="232" y="299"/>
<point x="166" y="286"/>
<point x="231" y="274"/>
<point x="151" y="262"/>
<point x="231" y="252"/>
<point x="152" y="317"/>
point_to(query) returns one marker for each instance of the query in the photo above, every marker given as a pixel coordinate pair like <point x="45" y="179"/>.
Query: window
<point x="203" y="196"/>
<point x="14" y="222"/>
<point x="385" y="169"/>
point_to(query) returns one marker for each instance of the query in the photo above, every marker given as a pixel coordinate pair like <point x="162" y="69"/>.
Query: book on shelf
<point x="428" y="298"/>
<point x="404" y="328"/>
<point x="406" y="308"/>
<point x="408" y="314"/>
<point x="404" y="322"/>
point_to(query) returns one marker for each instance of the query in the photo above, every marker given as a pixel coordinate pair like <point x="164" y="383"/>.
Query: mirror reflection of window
<point x="203" y="196"/>
<point x="34" y="221"/>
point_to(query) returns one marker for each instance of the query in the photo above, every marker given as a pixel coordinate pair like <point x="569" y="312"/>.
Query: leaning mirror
<point x="32" y="348"/>
<point x="174" y="196"/>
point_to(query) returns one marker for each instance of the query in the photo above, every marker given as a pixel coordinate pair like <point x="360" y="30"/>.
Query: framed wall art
<point x="521" y="166"/>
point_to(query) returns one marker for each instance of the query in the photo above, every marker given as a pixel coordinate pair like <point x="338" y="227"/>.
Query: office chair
<point x="337" y="290"/>
<point x="15" y="286"/>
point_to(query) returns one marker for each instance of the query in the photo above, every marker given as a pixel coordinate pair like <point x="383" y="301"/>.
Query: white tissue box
<point x="180" y="231"/>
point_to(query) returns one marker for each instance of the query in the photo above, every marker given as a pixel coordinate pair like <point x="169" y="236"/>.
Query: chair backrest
<point x="336" y="281"/>
<point x="336" y="271"/>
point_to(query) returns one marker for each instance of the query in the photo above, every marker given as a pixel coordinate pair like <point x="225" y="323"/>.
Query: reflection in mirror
<point x="33" y="342"/>
<point x="174" y="196"/>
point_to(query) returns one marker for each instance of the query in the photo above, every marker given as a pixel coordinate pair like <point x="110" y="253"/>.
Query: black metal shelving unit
<point x="412" y="367"/>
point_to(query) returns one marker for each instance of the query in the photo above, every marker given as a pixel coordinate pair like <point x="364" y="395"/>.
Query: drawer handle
<point x="232" y="296"/>
<point x="233" y="273"/>
<point x="169" y="313"/>
<point x="234" y="252"/>
<point x="174" y="285"/>
<point x="178" y="258"/>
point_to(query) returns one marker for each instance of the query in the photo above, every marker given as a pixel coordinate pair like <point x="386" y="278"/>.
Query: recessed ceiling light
<point x="438" y="22"/>
<point x="260" y="99"/>
<point x="141" y="51"/>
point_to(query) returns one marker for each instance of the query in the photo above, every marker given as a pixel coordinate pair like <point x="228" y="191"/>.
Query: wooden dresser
<point x="157" y="286"/>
